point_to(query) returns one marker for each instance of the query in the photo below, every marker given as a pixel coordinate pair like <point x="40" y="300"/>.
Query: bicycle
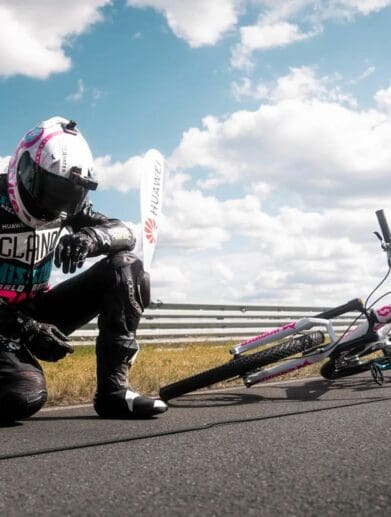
<point x="345" y="353"/>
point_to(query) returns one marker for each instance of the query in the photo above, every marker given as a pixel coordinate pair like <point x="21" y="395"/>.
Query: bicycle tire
<point x="241" y="365"/>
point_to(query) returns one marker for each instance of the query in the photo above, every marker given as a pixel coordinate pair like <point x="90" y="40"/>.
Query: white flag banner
<point x="151" y="198"/>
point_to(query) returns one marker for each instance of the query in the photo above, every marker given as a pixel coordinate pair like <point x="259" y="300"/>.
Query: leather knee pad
<point x="22" y="394"/>
<point x="130" y="273"/>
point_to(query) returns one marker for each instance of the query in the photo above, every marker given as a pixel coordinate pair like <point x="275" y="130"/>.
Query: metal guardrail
<point x="188" y="322"/>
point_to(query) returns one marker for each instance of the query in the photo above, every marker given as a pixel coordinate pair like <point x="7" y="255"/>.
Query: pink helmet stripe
<point x="42" y="144"/>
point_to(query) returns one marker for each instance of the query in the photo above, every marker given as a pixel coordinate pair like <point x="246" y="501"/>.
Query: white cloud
<point x="316" y="10"/>
<point x="293" y="257"/>
<point x="264" y="36"/>
<point x="194" y="221"/>
<point x="349" y="7"/>
<point x="383" y="99"/>
<point x="83" y="93"/>
<point x="97" y="94"/>
<point x="120" y="176"/>
<point x="198" y="22"/>
<point x="270" y="35"/>
<point x="300" y="83"/>
<point x="304" y="139"/>
<point x="79" y="93"/>
<point x="33" y="40"/>
<point x="284" y="22"/>
<point x="368" y="72"/>
<point x="245" y="88"/>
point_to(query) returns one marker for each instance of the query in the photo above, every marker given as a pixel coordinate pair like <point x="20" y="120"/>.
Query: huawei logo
<point x="150" y="230"/>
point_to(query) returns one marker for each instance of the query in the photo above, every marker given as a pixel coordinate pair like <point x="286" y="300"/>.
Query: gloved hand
<point x="72" y="251"/>
<point x="45" y="341"/>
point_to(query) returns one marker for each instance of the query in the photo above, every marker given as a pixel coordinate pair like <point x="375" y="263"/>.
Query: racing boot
<point x="114" y="397"/>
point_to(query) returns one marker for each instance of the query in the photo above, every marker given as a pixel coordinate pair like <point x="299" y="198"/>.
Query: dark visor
<point x="53" y="194"/>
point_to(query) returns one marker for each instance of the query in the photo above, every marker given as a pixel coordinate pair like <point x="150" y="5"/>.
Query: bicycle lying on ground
<point x="346" y="355"/>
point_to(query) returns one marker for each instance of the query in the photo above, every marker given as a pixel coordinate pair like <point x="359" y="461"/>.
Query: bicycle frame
<point x="369" y="334"/>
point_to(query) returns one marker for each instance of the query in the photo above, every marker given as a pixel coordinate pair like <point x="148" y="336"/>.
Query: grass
<point x="73" y="379"/>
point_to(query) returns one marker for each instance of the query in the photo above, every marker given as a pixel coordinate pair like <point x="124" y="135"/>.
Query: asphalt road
<point x="302" y="448"/>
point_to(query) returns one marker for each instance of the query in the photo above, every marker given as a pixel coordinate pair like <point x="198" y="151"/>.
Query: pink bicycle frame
<point x="382" y="317"/>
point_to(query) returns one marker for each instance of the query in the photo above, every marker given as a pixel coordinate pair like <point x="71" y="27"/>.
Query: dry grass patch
<point x="72" y="380"/>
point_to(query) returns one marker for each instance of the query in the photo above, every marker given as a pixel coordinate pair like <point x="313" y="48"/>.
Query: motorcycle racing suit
<point x="115" y="289"/>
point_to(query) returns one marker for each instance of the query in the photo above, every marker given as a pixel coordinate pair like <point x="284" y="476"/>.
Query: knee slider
<point x="131" y="273"/>
<point x="22" y="394"/>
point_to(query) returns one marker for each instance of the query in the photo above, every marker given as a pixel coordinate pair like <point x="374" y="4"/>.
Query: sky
<point x="274" y="118"/>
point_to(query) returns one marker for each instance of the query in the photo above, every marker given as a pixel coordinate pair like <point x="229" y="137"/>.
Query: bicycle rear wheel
<point x="243" y="364"/>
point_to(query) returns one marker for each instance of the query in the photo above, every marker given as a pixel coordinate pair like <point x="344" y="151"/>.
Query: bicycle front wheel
<point x="240" y="366"/>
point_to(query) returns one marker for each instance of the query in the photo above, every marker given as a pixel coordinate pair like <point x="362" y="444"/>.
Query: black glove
<point x="45" y="341"/>
<point x="72" y="251"/>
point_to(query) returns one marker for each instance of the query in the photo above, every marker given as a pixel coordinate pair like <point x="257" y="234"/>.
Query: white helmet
<point x="50" y="173"/>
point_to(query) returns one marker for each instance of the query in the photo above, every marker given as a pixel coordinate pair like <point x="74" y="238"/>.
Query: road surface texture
<point x="309" y="447"/>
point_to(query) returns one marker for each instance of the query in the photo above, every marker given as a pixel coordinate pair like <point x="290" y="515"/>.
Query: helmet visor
<point x="50" y="194"/>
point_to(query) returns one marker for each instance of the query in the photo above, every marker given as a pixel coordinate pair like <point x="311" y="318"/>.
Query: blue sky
<point x="273" y="116"/>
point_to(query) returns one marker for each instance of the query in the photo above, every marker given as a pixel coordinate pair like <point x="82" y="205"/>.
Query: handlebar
<point x="353" y="305"/>
<point x="385" y="230"/>
<point x="384" y="226"/>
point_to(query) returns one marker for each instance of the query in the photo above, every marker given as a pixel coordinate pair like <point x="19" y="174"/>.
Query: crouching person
<point x="44" y="191"/>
